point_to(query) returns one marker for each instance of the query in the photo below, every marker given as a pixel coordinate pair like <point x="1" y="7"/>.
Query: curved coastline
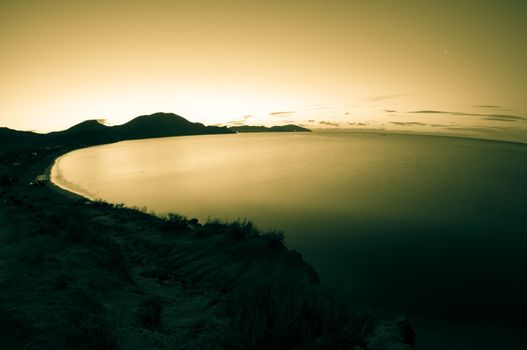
<point x="503" y="143"/>
<point x="64" y="222"/>
<point x="79" y="195"/>
<point x="62" y="185"/>
<point x="132" y="280"/>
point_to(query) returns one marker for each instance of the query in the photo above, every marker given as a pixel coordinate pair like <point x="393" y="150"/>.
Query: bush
<point x="101" y="203"/>
<point x="244" y="228"/>
<point x="274" y="312"/>
<point x="274" y="239"/>
<point x="175" y="222"/>
<point x="216" y="223"/>
<point x="281" y="311"/>
<point x="238" y="228"/>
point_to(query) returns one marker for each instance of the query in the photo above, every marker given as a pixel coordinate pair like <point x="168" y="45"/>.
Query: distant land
<point x="93" y="132"/>
<point x="282" y="128"/>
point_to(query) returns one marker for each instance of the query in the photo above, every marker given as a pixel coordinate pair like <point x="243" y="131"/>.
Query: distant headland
<point x="93" y="132"/>
<point x="281" y="128"/>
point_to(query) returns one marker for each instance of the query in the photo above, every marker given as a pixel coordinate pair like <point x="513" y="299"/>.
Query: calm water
<point x="432" y="227"/>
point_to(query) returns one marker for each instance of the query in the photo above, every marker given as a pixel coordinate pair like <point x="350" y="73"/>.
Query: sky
<point x="456" y="67"/>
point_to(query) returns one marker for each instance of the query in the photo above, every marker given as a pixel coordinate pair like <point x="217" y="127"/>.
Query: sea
<point x="430" y="227"/>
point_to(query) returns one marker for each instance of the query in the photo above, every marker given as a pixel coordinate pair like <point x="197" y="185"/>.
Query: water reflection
<point x="431" y="226"/>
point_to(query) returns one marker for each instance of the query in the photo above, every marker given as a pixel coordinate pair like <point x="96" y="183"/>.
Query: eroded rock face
<point x="391" y="335"/>
<point x="369" y="333"/>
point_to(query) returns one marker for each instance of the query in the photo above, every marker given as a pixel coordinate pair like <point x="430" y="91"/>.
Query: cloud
<point x="431" y="112"/>
<point x="475" y="129"/>
<point x="420" y="124"/>
<point x="504" y="117"/>
<point x="350" y="123"/>
<point x="500" y="117"/>
<point x="489" y="106"/>
<point x="311" y="120"/>
<point x="241" y="121"/>
<point x="409" y="123"/>
<point x="488" y="130"/>
<point x="281" y="113"/>
<point x="389" y="110"/>
<point x="323" y="122"/>
<point x="467" y="129"/>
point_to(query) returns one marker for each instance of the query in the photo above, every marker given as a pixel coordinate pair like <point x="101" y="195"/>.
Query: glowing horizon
<point x="440" y="67"/>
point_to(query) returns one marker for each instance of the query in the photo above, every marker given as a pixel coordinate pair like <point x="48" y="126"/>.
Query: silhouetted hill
<point x="10" y="138"/>
<point x="162" y="125"/>
<point x="92" y="132"/>
<point x="92" y="124"/>
<point x="281" y="128"/>
<point x="89" y="132"/>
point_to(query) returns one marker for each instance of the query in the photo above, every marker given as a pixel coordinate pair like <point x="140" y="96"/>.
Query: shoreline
<point x="133" y="280"/>
<point x="469" y="139"/>
<point x="65" y="191"/>
<point x="80" y="194"/>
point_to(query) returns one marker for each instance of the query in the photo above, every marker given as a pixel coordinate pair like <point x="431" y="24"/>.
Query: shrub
<point x="216" y="223"/>
<point x="175" y="222"/>
<point x="101" y="203"/>
<point x="273" y="312"/>
<point x="274" y="239"/>
<point x="244" y="228"/>
<point x="238" y="228"/>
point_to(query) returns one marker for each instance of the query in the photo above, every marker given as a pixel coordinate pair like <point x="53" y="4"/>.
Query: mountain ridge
<point x="94" y="132"/>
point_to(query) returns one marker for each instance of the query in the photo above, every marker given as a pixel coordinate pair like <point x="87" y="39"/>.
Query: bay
<point x="433" y="227"/>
